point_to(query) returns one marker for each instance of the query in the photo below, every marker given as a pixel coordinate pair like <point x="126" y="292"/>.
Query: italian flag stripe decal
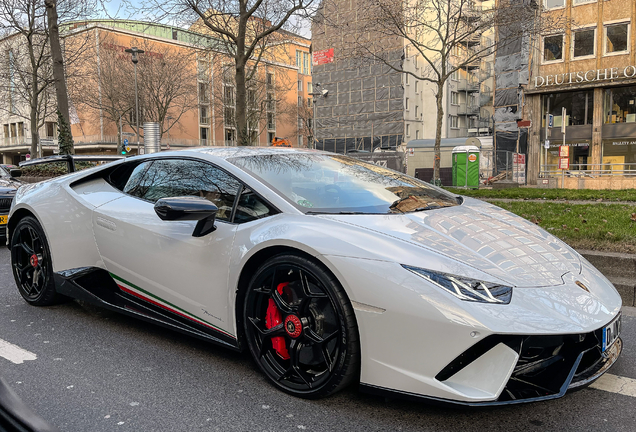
<point x="142" y="294"/>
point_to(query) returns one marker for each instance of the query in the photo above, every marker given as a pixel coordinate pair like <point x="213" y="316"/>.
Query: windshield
<point x="4" y="172"/>
<point x="318" y="183"/>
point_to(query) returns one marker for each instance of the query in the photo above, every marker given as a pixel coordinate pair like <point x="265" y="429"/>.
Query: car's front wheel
<point x="31" y="263"/>
<point x="300" y="327"/>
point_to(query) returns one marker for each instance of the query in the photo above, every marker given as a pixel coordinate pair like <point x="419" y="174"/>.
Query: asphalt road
<point x="99" y="371"/>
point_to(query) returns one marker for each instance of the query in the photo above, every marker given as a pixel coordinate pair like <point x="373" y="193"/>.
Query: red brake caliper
<point x="273" y="318"/>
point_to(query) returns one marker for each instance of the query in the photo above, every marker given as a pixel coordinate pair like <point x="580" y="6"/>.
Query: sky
<point x="125" y="9"/>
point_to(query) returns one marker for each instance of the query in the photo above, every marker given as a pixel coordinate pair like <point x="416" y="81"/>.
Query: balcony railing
<point x="468" y="86"/>
<point x="465" y="109"/>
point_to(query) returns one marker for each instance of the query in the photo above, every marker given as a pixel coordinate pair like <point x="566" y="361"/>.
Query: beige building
<point x="286" y="79"/>
<point x="586" y="70"/>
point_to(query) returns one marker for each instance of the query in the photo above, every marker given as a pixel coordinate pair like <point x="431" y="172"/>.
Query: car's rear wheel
<point x="31" y="263"/>
<point x="300" y="327"/>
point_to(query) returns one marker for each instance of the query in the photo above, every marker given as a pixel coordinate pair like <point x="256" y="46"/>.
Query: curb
<point x="619" y="268"/>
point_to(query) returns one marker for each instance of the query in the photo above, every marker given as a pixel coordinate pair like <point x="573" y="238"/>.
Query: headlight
<point x="465" y="288"/>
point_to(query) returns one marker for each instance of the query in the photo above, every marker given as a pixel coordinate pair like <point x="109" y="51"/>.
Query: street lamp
<point x="135" y="59"/>
<point x="323" y="92"/>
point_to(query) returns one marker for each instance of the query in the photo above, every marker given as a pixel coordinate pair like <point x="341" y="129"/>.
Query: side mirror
<point x="189" y="208"/>
<point x="15" y="172"/>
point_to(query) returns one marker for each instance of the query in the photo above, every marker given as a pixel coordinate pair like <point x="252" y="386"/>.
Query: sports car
<point x="327" y="269"/>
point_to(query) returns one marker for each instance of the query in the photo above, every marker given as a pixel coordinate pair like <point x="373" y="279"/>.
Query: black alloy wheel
<point x="300" y="327"/>
<point x="31" y="263"/>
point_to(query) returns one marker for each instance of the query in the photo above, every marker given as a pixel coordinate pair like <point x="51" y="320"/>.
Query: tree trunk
<point x="438" y="132"/>
<point x="241" y="102"/>
<point x="35" y="133"/>
<point x="58" y="65"/>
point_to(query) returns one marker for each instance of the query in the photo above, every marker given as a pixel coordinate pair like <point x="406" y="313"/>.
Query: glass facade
<point x="579" y="107"/>
<point x="620" y="105"/>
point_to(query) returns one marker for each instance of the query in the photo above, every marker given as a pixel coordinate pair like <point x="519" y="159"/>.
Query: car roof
<point x="231" y="152"/>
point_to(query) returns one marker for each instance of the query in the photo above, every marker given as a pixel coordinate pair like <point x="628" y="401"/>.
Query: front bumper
<point x="546" y="367"/>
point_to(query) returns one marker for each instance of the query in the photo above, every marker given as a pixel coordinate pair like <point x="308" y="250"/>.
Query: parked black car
<point x="9" y="184"/>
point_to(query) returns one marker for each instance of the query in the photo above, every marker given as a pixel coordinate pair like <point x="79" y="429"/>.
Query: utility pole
<point x="135" y="59"/>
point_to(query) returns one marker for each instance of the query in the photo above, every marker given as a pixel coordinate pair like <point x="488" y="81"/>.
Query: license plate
<point x="611" y="333"/>
<point x="4" y="219"/>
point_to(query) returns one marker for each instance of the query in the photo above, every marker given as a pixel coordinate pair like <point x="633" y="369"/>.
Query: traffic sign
<point x="128" y="148"/>
<point x="546" y="144"/>
<point x="28" y="156"/>
<point x="126" y="142"/>
<point x="564" y="163"/>
<point x="564" y="151"/>
<point x="550" y="120"/>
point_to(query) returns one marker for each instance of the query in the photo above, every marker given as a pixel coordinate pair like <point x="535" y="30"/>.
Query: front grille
<point x="5" y="204"/>
<point x="546" y="364"/>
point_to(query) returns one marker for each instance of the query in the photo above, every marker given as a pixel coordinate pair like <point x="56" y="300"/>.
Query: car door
<point x="160" y="261"/>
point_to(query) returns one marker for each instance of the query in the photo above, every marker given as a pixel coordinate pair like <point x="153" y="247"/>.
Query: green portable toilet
<point x="466" y="166"/>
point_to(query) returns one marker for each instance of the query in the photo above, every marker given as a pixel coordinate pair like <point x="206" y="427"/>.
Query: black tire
<point x="323" y="351"/>
<point x="31" y="263"/>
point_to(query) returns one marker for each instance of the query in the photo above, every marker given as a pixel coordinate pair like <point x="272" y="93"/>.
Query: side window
<point x="251" y="207"/>
<point x="176" y="177"/>
<point x="134" y="179"/>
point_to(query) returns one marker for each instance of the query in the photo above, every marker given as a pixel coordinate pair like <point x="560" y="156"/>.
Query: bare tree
<point x="166" y="79"/>
<point x="247" y="31"/>
<point x="445" y="34"/>
<point x="265" y="98"/>
<point x="26" y="77"/>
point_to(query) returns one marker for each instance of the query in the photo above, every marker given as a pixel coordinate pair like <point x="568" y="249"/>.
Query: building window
<point x="616" y="38"/>
<point x="578" y="2"/>
<point x="583" y="43"/>
<point x="579" y="107"/>
<point x="204" y="135"/>
<point x="417" y="110"/>
<point x="454" y="98"/>
<point x="408" y="130"/>
<point x="550" y="4"/>
<point x="454" y="122"/>
<point x="300" y="85"/>
<point x="300" y="140"/>
<point x="204" y="92"/>
<point x="300" y="123"/>
<point x="298" y="59"/>
<point x="228" y="95"/>
<point x="553" y="48"/>
<point x="50" y="129"/>
<point x="270" y="137"/>
<point x="271" y="121"/>
<point x="202" y="69"/>
<point x="271" y="103"/>
<point x="309" y="102"/>
<point x="270" y="79"/>
<point x="406" y="78"/>
<point x="300" y="101"/>
<point x="228" y="115"/>
<point x="455" y="75"/>
<point x="306" y="63"/>
<point x="620" y="105"/>
<point x="406" y="103"/>
<point x="310" y="87"/>
<point x="417" y="134"/>
<point x="230" y="136"/>
<point x="203" y="115"/>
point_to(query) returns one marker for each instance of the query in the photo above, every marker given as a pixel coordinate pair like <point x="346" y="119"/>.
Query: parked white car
<point x="328" y="269"/>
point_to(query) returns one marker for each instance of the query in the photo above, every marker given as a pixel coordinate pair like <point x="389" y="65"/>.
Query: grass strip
<point x="550" y="194"/>
<point x="610" y="227"/>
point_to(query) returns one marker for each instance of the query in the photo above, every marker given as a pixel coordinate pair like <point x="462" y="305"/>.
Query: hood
<point x="8" y="184"/>
<point x="482" y="236"/>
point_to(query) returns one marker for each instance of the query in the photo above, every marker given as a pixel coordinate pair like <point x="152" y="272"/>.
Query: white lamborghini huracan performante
<point x="327" y="269"/>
